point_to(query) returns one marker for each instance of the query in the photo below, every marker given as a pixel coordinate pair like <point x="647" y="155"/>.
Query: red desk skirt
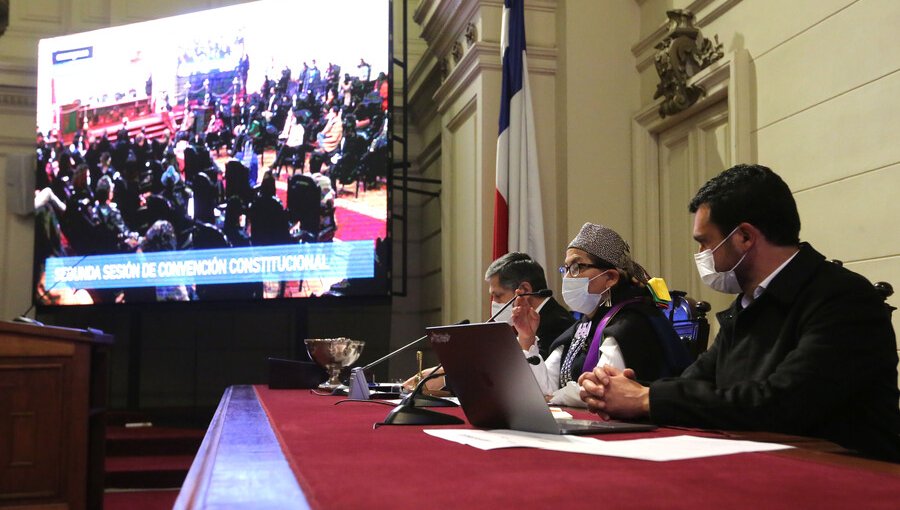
<point x="341" y="462"/>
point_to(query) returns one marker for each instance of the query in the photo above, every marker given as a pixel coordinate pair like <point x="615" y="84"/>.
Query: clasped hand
<point x="613" y="394"/>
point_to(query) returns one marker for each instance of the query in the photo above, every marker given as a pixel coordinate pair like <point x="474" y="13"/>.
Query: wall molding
<point x="18" y="102"/>
<point x="429" y="154"/>
<point x="17" y="98"/>
<point x="99" y="18"/>
<point x="485" y="56"/>
<point x="422" y="109"/>
<point x="728" y="79"/>
<point x="15" y="142"/>
<point x="422" y="10"/>
<point x="48" y="16"/>
<point x="447" y="23"/>
<point x="480" y="57"/>
<point x="19" y="68"/>
<point x="464" y="114"/>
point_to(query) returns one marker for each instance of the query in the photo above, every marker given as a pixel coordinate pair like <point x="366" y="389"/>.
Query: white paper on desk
<point x="683" y="447"/>
<point x="493" y="439"/>
<point x="655" y="449"/>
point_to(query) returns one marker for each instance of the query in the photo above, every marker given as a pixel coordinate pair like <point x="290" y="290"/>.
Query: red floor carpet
<point x="140" y="500"/>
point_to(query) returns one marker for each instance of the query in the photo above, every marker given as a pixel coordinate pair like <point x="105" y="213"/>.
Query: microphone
<point x="544" y="293"/>
<point x="407" y="413"/>
<point x="359" y="386"/>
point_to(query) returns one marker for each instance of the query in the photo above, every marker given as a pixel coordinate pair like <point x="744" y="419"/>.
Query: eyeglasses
<point x="575" y="268"/>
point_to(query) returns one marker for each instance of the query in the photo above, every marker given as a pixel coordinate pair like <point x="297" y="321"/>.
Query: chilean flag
<point x="518" y="218"/>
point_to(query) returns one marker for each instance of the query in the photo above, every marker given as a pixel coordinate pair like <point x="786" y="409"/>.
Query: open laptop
<point x="496" y="387"/>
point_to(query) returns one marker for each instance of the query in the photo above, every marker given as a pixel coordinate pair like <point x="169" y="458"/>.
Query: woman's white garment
<point x="547" y="372"/>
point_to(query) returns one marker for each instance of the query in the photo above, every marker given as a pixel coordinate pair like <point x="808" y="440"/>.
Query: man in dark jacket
<point x="807" y="348"/>
<point x="515" y="271"/>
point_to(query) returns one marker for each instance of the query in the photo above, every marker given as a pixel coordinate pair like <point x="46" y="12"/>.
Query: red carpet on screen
<point x="354" y="226"/>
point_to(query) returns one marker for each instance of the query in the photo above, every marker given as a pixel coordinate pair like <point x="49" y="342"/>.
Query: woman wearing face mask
<point x="602" y="282"/>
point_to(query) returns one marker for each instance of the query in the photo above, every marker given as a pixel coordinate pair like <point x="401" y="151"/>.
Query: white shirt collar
<point x="745" y="301"/>
<point x="544" y="302"/>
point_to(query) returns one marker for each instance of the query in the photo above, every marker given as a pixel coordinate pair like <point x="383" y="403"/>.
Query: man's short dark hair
<point x="753" y="194"/>
<point x="514" y="268"/>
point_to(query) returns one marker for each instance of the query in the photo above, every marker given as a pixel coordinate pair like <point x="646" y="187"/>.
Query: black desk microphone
<point x="359" y="385"/>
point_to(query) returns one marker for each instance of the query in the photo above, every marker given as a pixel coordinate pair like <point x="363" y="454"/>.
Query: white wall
<point x="600" y="93"/>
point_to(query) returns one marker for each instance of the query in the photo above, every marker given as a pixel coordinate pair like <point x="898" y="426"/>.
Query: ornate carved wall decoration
<point x="444" y="66"/>
<point x="4" y="15"/>
<point x="681" y="54"/>
<point x="471" y="34"/>
<point x="457" y="52"/>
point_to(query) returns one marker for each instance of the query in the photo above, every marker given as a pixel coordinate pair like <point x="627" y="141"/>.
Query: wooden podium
<point x="52" y="416"/>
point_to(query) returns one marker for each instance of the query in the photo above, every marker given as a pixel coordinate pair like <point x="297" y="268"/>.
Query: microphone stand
<point x="545" y="293"/>
<point x="408" y="414"/>
<point x="359" y="385"/>
<point x="417" y="398"/>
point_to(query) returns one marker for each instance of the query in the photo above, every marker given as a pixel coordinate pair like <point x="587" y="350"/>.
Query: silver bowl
<point x="332" y="354"/>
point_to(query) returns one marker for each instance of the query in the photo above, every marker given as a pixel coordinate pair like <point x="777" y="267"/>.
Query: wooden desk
<point x="339" y="461"/>
<point x="52" y="416"/>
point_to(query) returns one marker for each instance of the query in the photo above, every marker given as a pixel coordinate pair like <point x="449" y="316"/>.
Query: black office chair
<point x="316" y="223"/>
<point x="688" y="317"/>
<point x="205" y="197"/>
<point x="237" y="181"/>
<point x="886" y="290"/>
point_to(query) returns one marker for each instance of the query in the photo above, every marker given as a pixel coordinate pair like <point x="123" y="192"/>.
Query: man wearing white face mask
<point x="509" y="274"/>
<point x="620" y="323"/>
<point x="807" y="348"/>
<point x="517" y="271"/>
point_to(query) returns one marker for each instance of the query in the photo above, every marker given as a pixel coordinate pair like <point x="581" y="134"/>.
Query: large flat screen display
<point x="236" y="153"/>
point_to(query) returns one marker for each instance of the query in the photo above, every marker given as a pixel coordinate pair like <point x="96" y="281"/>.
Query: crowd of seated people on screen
<point x="101" y="192"/>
